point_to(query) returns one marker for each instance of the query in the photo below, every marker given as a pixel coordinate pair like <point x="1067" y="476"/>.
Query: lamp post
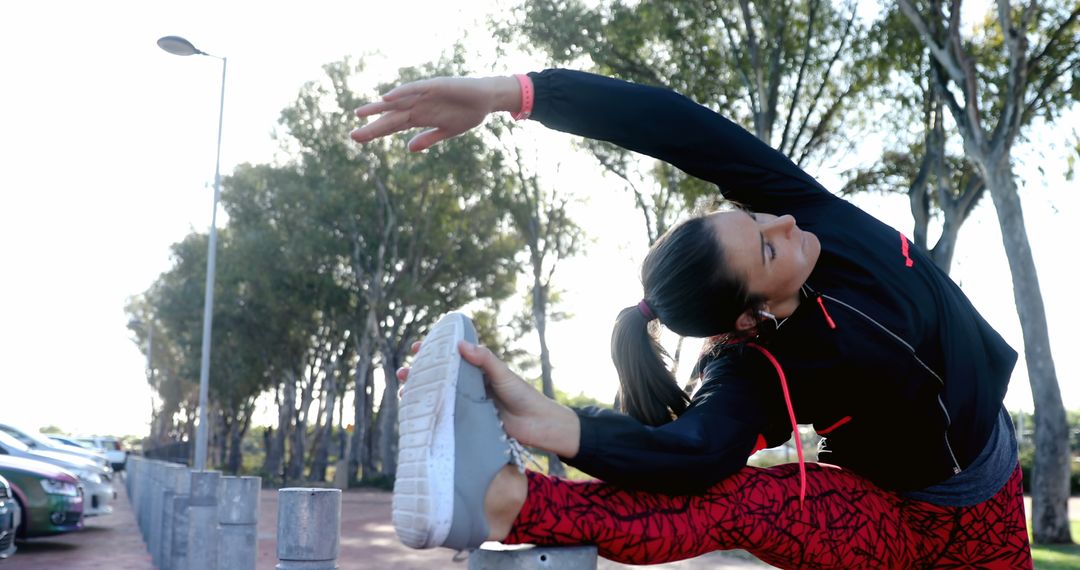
<point x="179" y="46"/>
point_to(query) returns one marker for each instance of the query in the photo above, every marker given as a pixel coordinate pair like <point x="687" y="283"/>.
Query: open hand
<point x="444" y="106"/>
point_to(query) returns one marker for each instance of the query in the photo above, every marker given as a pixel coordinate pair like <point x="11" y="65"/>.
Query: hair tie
<point x="645" y="311"/>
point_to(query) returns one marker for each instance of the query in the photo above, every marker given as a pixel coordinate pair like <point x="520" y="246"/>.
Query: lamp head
<point x="177" y="45"/>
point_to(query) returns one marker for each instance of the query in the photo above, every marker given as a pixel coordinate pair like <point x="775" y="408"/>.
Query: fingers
<point x="424" y="140"/>
<point x="403" y="91"/>
<point x="486" y="360"/>
<point x="373" y="108"/>
<point x="389" y="123"/>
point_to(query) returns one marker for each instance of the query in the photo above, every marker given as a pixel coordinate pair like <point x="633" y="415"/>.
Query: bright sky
<point x="107" y="157"/>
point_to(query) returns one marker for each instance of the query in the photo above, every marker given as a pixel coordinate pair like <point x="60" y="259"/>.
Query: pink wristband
<point x="527" y="97"/>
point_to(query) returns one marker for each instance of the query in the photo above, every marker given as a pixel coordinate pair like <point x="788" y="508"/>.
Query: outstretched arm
<point x="670" y="127"/>
<point x="650" y="120"/>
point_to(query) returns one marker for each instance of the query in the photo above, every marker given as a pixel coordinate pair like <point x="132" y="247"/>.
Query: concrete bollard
<point x="534" y="558"/>
<point x="176" y="557"/>
<point x="143" y="499"/>
<point x="309" y="529"/>
<point x="173" y="483"/>
<point x="238" y="515"/>
<point x="202" y="532"/>
<point x="157" y="503"/>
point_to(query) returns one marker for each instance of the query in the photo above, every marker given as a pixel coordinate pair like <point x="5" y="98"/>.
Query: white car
<point x="39" y="442"/>
<point x="113" y="449"/>
<point x="96" y="481"/>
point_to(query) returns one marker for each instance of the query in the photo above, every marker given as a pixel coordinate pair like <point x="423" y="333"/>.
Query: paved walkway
<point x="367" y="542"/>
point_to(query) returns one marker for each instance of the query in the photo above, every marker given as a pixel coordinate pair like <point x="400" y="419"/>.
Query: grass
<point x="1063" y="557"/>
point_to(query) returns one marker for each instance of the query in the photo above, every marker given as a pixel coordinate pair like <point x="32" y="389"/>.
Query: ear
<point x="746" y="321"/>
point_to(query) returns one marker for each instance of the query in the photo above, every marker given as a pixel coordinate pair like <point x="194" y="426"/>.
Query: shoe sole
<point x="423" y="500"/>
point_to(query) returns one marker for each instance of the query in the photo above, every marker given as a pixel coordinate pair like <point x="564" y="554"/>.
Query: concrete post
<point x="238" y="515"/>
<point x="129" y="473"/>
<point x="534" y="558"/>
<point x="177" y="555"/>
<point x="172" y="485"/>
<point x="309" y="529"/>
<point x="202" y="532"/>
<point x="143" y="495"/>
<point x="157" y="504"/>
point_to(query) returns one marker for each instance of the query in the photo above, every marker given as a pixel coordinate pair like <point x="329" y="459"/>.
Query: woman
<point x="816" y="312"/>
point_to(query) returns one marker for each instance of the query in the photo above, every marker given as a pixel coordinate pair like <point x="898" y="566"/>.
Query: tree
<point x="541" y="217"/>
<point x="993" y="85"/>
<point x="407" y="238"/>
<point x="939" y="184"/>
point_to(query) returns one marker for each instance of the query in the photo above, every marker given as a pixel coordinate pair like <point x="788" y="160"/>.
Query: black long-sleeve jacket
<point x="885" y="354"/>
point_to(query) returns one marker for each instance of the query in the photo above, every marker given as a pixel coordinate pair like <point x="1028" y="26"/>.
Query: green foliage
<point x="795" y="73"/>
<point x="579" y="401"/>
<point x="761" y="66"/>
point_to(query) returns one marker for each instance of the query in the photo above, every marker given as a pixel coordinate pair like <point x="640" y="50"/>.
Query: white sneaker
<point x="451" y="445"/>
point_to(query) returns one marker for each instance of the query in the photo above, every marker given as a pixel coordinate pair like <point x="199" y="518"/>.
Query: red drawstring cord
<point x="905" y="250"/>
<point x="791" y="415"/>
<point x="828" y="319"/>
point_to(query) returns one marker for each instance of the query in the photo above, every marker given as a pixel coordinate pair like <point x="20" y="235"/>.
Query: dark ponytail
<point x="689" y="288"/>
<point x="647" y="389"/>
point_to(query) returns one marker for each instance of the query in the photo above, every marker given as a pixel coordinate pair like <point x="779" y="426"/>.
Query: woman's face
<point x="771" y="253"/>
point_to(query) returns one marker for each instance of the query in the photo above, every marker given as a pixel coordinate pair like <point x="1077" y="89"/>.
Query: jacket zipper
<point x="911" y="350"/>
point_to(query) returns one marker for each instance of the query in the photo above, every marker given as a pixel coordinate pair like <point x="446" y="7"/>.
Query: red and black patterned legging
<point x="846" y="522"/>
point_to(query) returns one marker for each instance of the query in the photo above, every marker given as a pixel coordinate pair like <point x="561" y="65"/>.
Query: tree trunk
<point x="945" y="248"/>
<point x="369" y="463"/>
<point x="386" y="423"/>
<point x="321" y="449"/>
<point x="358" y="456"/>
<point x="272" y="460"/>
<point x="298" y="452"/>
<point x="295" y="469"/>
<point x="235" y="458"/>
<point x="555" y="466"/>
<point x="286" y="413"/>
<point x="1050" y="474"/>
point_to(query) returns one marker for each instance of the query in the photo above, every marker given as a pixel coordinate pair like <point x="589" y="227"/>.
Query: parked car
<point x="68" y="440"/>
<point x="38" y="441"/>
<point x="49" y="498"/>
<point x="10" y="518"/>
<point x="113" y="448"/>
<point x="96" y="481"/>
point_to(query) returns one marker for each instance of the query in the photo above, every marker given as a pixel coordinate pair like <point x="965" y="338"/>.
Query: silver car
<point x="95" y="481"/>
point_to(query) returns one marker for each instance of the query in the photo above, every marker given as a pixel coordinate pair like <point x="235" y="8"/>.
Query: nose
<point x="782" y="225"/>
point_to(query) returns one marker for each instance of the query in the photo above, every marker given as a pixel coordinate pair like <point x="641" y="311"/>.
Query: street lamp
<point x="179" y="46"/>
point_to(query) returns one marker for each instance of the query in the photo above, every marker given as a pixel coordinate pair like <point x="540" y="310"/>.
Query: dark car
<point x="10" y="518"/>
<point x="50" y="498"/>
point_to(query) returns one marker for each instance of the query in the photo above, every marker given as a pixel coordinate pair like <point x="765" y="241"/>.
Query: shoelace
<point x="519" y="455"/>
